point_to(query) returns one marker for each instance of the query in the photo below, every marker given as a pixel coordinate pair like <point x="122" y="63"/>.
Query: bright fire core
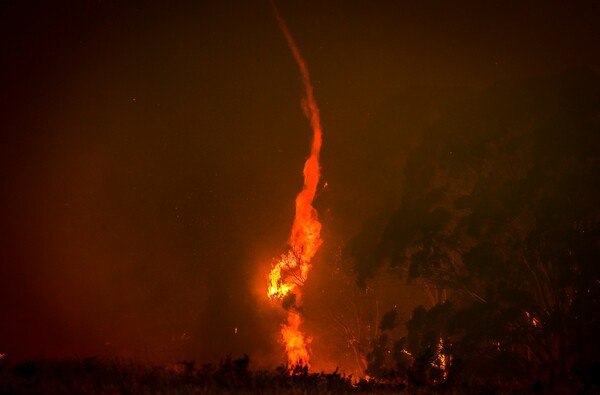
<point x="291" y="270"/>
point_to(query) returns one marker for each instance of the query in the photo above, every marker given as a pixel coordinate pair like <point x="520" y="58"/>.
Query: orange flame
<point x="294" y="340"/>
<point x="292" y="268"/>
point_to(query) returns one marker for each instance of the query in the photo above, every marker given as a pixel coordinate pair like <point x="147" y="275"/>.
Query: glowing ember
<point x="291" y="270"/>
<point x="534" y="321"/>
<point x="441" y="360"/>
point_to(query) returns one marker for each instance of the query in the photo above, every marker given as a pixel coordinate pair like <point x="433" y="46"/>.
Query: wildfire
<point x="441" y="359"/>
<point x="286" y="274"/>
<point x="294" y="340"/>
<point x="291" y="270"/>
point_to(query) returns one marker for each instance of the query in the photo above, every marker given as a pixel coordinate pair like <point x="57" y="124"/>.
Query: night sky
<point x="151" y="153"/>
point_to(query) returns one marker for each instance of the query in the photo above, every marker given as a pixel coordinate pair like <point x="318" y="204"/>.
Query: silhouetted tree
<point x="500" y="222"/>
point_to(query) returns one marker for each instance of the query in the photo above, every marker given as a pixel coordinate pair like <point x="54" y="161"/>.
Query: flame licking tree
<point x="290" y="271"/>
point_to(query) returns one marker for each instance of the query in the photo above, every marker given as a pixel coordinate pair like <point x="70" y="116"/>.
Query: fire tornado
<point x="291" y="269"/>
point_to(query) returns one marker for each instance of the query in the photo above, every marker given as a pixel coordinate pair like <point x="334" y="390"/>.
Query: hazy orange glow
<point x="292" y="268"/>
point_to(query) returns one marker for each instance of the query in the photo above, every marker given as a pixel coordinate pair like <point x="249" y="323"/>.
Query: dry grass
<point x="110" y="376"/>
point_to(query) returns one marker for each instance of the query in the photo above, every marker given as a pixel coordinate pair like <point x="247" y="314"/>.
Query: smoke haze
<point x="151" y="155"/>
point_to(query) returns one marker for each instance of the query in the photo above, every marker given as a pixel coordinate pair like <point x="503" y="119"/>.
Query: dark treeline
<point x="500" y="226"/>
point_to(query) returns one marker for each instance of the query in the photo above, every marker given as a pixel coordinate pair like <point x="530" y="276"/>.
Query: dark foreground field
<point x="232" y="376"/>
<point x="110" y="376"/>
